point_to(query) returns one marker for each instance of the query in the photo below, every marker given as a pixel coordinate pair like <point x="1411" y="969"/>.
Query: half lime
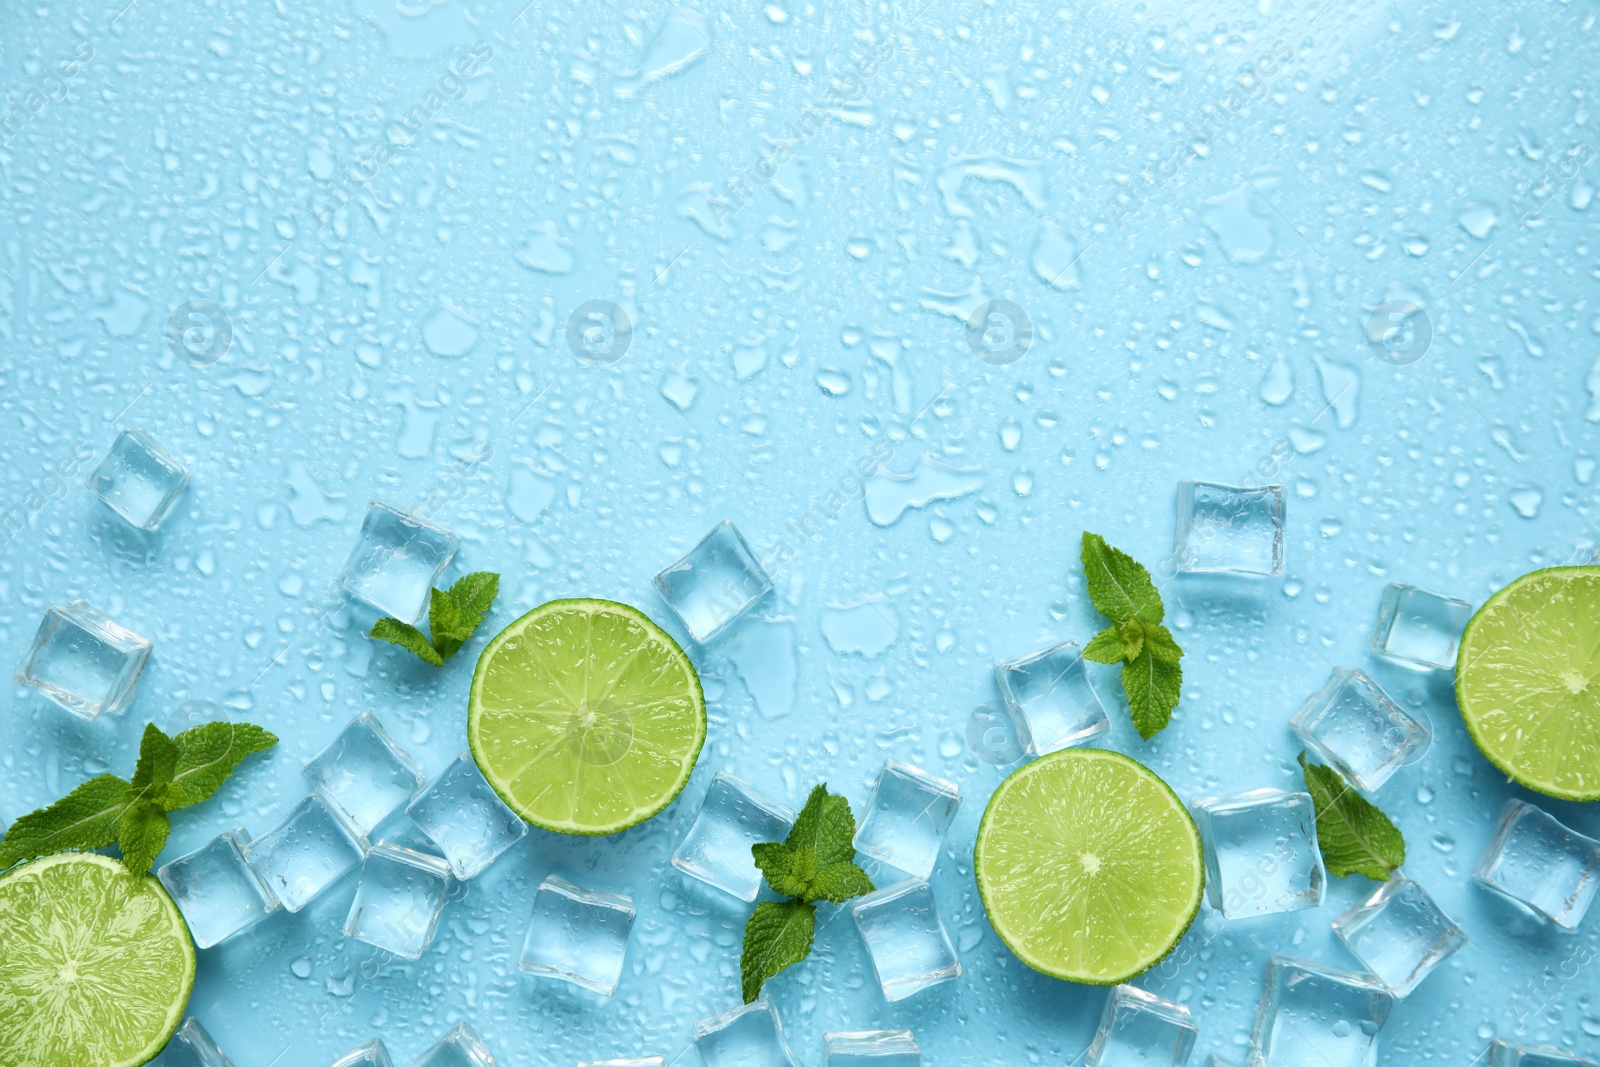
<point x="586" y="717"/>
<point x="1089" y="866"/>
<point x="1528" y="681"/>
<point x="96" y="965"/>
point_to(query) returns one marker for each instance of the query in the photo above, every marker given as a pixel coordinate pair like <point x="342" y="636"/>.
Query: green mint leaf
<point x="1152" y="686"/>
<point x="158" y="759"/>
<point x="207" y="755"/>
<point x="1160" y="641"/>
<point x="1119" y="585"/>
<point x="85" y="818"/>
<point x="141" y="833"/>
<point x="464" y="607"/>
<point x="777" y="934"/>
<point x="824" y="832"/>
<point x="407" y="637"/>
<point x="838" y="882"/>
<point x="1106" y="646"/>
<point x="1133" y="636"/>
<point x="777" y="863"/>
<point x="1355" y="837"/>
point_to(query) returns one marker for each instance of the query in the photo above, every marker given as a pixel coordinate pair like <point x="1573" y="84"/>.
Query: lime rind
<point x="595" y="727"/>
<point x="1155" y="898"/>
<point x="1528" y="681"/>
<point x="82" y="915"/>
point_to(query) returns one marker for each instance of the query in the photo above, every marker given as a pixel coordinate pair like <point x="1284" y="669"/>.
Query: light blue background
<point x="1215" y="332"/>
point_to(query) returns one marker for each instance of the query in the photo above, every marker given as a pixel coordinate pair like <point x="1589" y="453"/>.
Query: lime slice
<point x="95" y="964"/>
<point x="1528" y="681"/>
<point x="586" y="717"/>
<point x="1089" y="866"/>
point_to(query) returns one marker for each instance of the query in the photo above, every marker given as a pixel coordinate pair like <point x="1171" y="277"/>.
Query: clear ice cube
<point x="396" y="561"/>
<point x="1313" y="1014"/>
<point x="872" y="1048"/>
<point x="398" y="900"/>
<point x="1399" y="933"/>
<point x="1049" y="693"/>
<point x="217" y="890"/>
<point x="83" y="661"/>
<point x="463" y="815"/>
<point x="304" y="853"/>
<point x="1229" y="529"/>
<point x="1544" y="867"/>
<point x="461" y="1047"/>
<point x="1354" y="726"/>
<point x="369" y="1054"/>
<point x="1419" y="628"/>
<point x="1261" y="852"/>
<point x="750" y="1035"/>
<point x="191" y="1046"/>
<point x="577" y="935"/>
<point x="906" y="818"/>
<point x="363" y="775"/>
<point x="905" y="938"/>
<point x="1139" y="1029"/>
<point x="714" y="582"/>
<point x="1505" y="1054"/>
<point x="138" y="479"/>
<point x="732" y="817"/>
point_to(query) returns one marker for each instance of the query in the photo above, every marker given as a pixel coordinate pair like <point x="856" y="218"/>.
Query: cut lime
<point x="96" y="965"/>
<point x="1528" y="681"/>
<point x="1089" y="866"/>
<point x="586" y="717"/>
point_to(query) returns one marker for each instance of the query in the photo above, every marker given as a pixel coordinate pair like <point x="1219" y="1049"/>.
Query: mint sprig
<point x="172" y="773"/>
<point x="453" y="616"/>
<point x="816" y="862"/>
<point x="1355" y="836"/>
<point x="1121" y="590"/>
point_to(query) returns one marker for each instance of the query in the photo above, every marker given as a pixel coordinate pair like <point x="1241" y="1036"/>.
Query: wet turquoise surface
<point x="397" y="209"/>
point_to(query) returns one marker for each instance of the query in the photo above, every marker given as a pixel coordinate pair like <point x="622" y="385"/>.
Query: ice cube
<point x="138" y="479"/>
<point x="83" y="661"/>
<point x="370" y="1054"/>
<point x="1505" y="1054"/>
<point x="1049" y="693"/>
<point x="461" y="1047"/>
<point x="907" y="817"/>
<point x="577" y="935"/>
<point x="1353" y="725"/>
<point x="750" y="1035"/>
<point x="732" y="817"/>
<point x="1541" y="865"/>
<point x="396" y="561"/>
<point x="1419" y="628"/>
<point x="1399" y="933"/>
<point x="305" y="852"/>
<point x="1139" y="1029"/>
<point x="191" y="1046"/>
<point x="465" y="818"/>
<point x="363" y="775"/>
<point x="1229" y="529"/>
<point x="398" y="900"/>
<point x="714" y="582"/>
<point x="1261" y="852"/>
<point x="906" y="938"/>
<point x="872" y="1048"/>
<point x="1313" y="1014"/>
<point x="218" y="892"/>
